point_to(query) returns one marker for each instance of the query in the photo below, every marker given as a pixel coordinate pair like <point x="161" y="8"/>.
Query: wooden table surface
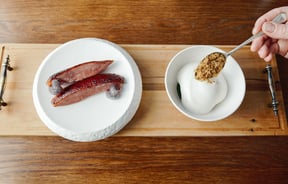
<point x="48" y="159"/>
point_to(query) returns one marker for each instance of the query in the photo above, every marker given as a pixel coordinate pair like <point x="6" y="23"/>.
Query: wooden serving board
<point x="156" y="115"/>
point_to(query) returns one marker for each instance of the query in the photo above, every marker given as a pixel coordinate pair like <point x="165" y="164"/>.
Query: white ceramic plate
<point x="232" y="73"/>
<point x="96" y="117"/>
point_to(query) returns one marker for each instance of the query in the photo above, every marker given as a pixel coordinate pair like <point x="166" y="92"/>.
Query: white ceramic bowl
<point x="232" y="73"/>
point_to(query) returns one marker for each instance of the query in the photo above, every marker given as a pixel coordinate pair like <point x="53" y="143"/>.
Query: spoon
<point x="214" y="62"/>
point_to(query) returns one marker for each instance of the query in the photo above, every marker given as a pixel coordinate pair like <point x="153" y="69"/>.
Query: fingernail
<point x="269" y="27"/>
<point x="254" y="31"/>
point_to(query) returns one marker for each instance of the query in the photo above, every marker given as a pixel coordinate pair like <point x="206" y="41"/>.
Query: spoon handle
<point x="281" y="18"/>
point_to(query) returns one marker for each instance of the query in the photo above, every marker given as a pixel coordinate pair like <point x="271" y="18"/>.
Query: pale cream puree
<point x="200" y="97"/>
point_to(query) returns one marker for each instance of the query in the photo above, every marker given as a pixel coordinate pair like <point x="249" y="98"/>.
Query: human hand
<point x="275" y="38"/>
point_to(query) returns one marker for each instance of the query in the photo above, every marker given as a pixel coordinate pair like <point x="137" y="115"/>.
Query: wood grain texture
<point x="132" y="22"/>
<point x="144" y="160"/>
<point x="140" y="159"/>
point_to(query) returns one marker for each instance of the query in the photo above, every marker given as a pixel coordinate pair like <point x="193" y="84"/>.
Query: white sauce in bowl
<point x="200" y="97"/>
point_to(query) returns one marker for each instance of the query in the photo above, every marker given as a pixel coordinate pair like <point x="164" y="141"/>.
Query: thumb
<point x="274" y="30"/>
